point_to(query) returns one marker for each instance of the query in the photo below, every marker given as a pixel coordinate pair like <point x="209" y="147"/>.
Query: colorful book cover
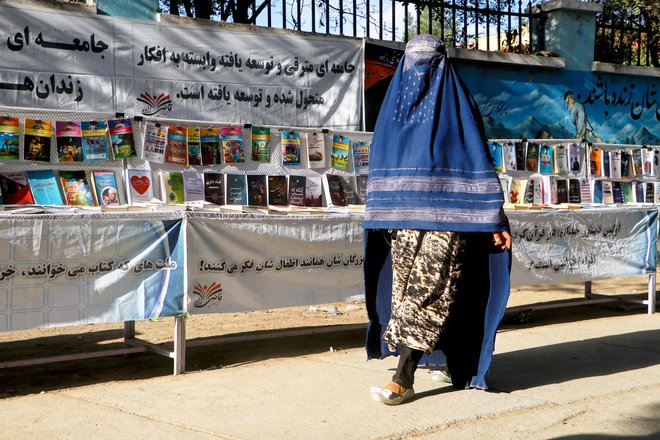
<point x="529" y="192"/>
<point x="290" y="147"/>
<point x="261" y="144"/>
<point x="333" y="190"/>
<point x="257" y="191"/>
<point x="626" y="167"/>
<point x="105" y="188"/>
<point x="214" y="188"/>
<point x="638" y="167"/>
<point x="277" y="190"/>
<point x="194" y="146"/>
<point x="75" y="188"/>
<point x="597" y="191"/>
<point x="15" y="189"/>
<point x="45" y="188"/>
<point x="232" y="144"/>
<point x="585" y="193"/>
<point x="96" y="143"/>
<point x="521" y="154"/>
<point x="546" y="154"/>
<point x="193" y="186"/>
<point x="313" y="192"/>
<point x="297" y="190"/>
<point x="316" y="149"/>
<point x="36" y="144"/>
<point x="139" y="185"/>
<point x="171" y="185"/>
<point x="348" y="185"/>
<point x="648" y="156"/>
<point x="121" y="138"/>
<point x="532" y="159"/>
<point x="339" y="156"/>
<point x="575" y="157"/>
<point x="561" y="159"/>
<point x="517" y="190"/>
<point x="176" y="150"/>
<point x="69" y="141"/>
<point x="155" y="141"/>
<point x="627" y="190"/>
<point x="608" y="193"/>
<point x="9" y="138"/>
<point x="509" y="153"/>
<point x="211" y="151"/>
<point x="361" y="157"/>
<point x="596" y="162"/>
<point x="495" y="149"/>
<point x="236" y="189"/>
<point x="615" y="164"/>
<point x="562" y="191"/>
<point x="617" y="193"/>
<point x="574" y="191"/>
<point x="361" y="189"/>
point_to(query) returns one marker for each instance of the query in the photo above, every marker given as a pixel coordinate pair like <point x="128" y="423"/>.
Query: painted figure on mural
<point x="583" y="129"/>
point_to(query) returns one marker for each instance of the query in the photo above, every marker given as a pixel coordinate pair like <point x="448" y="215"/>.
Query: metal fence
<point x="627" y="37"/>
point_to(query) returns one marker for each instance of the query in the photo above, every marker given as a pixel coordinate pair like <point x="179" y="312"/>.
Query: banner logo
<point x="155" y="104"/>
<point x="207" y="293"/>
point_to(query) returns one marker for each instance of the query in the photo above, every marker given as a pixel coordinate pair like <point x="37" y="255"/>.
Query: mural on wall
<point x="380" y="63"/>
<point x="601" y="108"/>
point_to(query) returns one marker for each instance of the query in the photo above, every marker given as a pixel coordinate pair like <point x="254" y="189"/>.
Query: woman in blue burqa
<point x="437" y="251"/>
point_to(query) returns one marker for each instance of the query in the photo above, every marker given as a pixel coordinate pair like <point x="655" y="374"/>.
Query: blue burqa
<point x="430" y="169"/>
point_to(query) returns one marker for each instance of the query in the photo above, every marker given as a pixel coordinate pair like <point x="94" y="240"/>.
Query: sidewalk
<point x="588" y="379"/>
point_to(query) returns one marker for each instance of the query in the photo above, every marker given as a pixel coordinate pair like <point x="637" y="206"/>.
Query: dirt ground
<point x="263" y="336"/>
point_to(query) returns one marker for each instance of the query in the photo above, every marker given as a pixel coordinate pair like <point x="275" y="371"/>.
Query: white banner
<point x="63" y="60"/>
<point x="240" y="264"/>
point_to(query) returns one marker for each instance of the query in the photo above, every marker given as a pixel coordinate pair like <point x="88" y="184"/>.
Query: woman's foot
<point x="392" y="394"/>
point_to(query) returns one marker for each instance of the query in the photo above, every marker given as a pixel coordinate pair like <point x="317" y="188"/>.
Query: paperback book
<point x="575" y="157"/>
<point x="256" y="190"/>
<point x="509" y="153"/>
<point x="316" y="149"/>
<point x="171" y="185"/>
<point x="194" y="146"/>
<point x="211" y="149"/>
<point x="495" y="149"/>
<point x="121" y="138"/>
<point x="176" y="150"/>
<point x="75" y="188"/>
<point x="561" y="159"/>
<point x="637" y="162"/>
<point x="517" y="190"/>
<point x="596" y="162"/>
<point x="339" y="156"/>
<point x="649" y="192"/>
<point x="232" y="144"/>
<point x="45" y="188"/>
<point x="155" y="141"/>
<point x="214" y="188"/>
<point x="313" y="192"/>
<point x="574" y="190"/>
<point x="615" y="164"/>
<point x="297" y="190"/>
<point x="626" y="164"/>
<point x="290" y="148"/>
<point x="521" y="154"/>
<point x="585" y="193"/>
<point x="648" y="155"/>
<point x="348" y="185"/>
<point x="532" y="158"/>
<point x="68" y="135"/>
<point x="333" y="190"/>
<point x="236" y="189"/>
<point x="36" y="144"/>
<point x="277" y="190"/>
<point x="608" y="193"/>
<point x="261" y="144"/>
<point x="9" y="138"/>
<point x="546" y="155"/>
<point x="104" y="184"/>
<point x="15" y="189"/>
<point x="607" y="164"/>
<point x="361" y="157"/>
<point x="617" y="193"/>
<point x="562" y="191"/>
<point x="139" y="186"/>
<point x="193" y="186"/>
<point x="361" y="189"/>
<point x="95" y="140"/>
<point x="628" y="193"/>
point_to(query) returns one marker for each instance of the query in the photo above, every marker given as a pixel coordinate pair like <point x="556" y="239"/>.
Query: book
<point x="562" y="191"/>
<point x="68" y="136"/>
<point x="532" y="158"/>
<point x="550" y="189"/>
<point x="290" y="147"/>
<point x="626" y="164"/>
<point x="607" y="163"/>
<point x="236" y="189"/>
<point x="639" y="192"/>
<point x="627" y="191"/>
<point x="121" y="138"/>
<point x="538" y="191"/>
<point x="608" y="193"/>
<point x="95" y="140"/>
<point x="316" y="149"/>
<point x="575" y="157"/>
<point x="9" y="138"/>
<point x="596" y="162"/>
<point x="15" y="189"/>
<point x="648" y="157"/>
<point x="257" y="191"/>
<point x="193" y="186"/>
<point x="313" y="192"/>
<point x="615" y="165"/>
<point x="505" y="183"/>
<point x="649" y="192"/>
<point x="232" y="144"/>
<point x="155" y="141"/>
<point x="561" y="159"/>
<point x="521" y="154"/>
<point x="176" y="149"/>
<point x="36" y="144"/>
<point x="260" y="144"/>
<point x="339" y="156"/>
<point x="297" y="190"/>
<point x="509" y="154"/>
<point x="528" y="195"/>
<point x="546" y="155"/>
<point x="637" y="165"/>
<point x="517" y="190"/>
<point x="277" y="190"/>
<point x="585" y="190"/>
<point x="361" y="157"/>
<point x="348" y="185"/>
<point x="211" y="149"/>
<point x="333" y="190"/>
<point x="597" y="191"/>
<point x="574" y="190"/>
<point x="45" y="188"/>
<point x="104" y="184"/>
<point x="656" y="163"/>
<point x="496" y="158"/>
<point x="617" y="193"/>
<point x="214" y="188"/>
<point x="139" y="186"/>
<point x="75" y="188"/>
<point x="171" y="186"/>
<point x="194" y="146"/>
<point x="361" y="189"/>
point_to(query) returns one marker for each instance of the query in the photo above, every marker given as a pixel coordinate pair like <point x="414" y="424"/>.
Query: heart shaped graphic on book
<point x="140" y="184"/>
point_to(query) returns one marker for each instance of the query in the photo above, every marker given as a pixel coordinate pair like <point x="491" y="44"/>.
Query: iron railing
<point x="627" y="37"/>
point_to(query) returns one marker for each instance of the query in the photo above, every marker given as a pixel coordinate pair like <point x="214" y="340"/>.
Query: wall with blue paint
<point x="143" y="9"/>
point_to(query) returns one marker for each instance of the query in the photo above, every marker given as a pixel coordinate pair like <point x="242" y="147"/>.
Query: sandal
<point x="390" y="398"/>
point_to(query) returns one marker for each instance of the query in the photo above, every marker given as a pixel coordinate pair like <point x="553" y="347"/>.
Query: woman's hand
<point x="502" y="239"/>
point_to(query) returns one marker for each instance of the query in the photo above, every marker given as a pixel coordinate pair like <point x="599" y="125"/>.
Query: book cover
<point x="171" y="185"/>
<point x="290" y="148"/>
<point x="194" y="146"/>
<point x="139" y="185"/>
<point x="521" y="154"/>
<point x="9" y="138"/>
<point x="105" y="188"/>
<point x="45" y="188"/>
<point x="155" y="141"/>
<point x="538" y="191"/>
<point x="648" y="156"/>
<point x="261" y="144"/>
<point x="193" y="186"/>
<point x="637" y="163"/>
<point x="617" y="193"/>
<point x="37" y="140"/>
<point x="15" y="189"/>
<point x="545" y="156"/>
<point x="585" y="193"/>
<point x="214" y="188"/>
<point x="529" y="192"/>
<point x="550" y="189"/>
<point x="361" y="189"/>
<point x="121" y="138"/>
<point x="277" y="190"/>
<point x="626" y="166"/>
<point x="361" y="157"/>
<point x="649" y="192"/>
<point x="532" y="159"/>
<point x="517" y="190"/>
<point x="509" y="153"/>
<point x="597" y="187"/>
<point x="608" y="194"/>
<point x="176" y="149"/>
<point x="607" y="164"/>
<point x="615" y="164"/>
<point x="257" y="191"/>
<point x="236" y="189"/>
<point x="75" y="188"/>
<point x="68" y="136"/>
<point x="656" y="163"/>
<point x="561" y="158"/>
<point x="232" y="144"/>
<point x="575" y="157"/>
<point x="333" y="189"/>
<point x="316" y="149"/>
<point x="562" y="190"/>
<point x="505" y="183"/>
<point x="211" y="149"/>
<point x="339" y="156"/>
<point x="313" y="191"/>
<point x="297" y="190"/>
<point x="495" y="149"/>
<point x="639" y="192"/>
<point x="95" y="140"/>
<point x="348" y="185"/>
<point x="596" y="162"/>
<point x="574" y="191"/>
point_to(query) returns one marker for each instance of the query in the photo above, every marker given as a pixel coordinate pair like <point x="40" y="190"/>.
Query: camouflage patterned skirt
<point x="426" y="266"/>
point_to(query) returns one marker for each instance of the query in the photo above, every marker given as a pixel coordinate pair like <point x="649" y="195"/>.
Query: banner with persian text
<point x="240" y="264"/>
<point x="57" y="272"/>
<point x="63" y="60"/>
<point x="580" y="245"/>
